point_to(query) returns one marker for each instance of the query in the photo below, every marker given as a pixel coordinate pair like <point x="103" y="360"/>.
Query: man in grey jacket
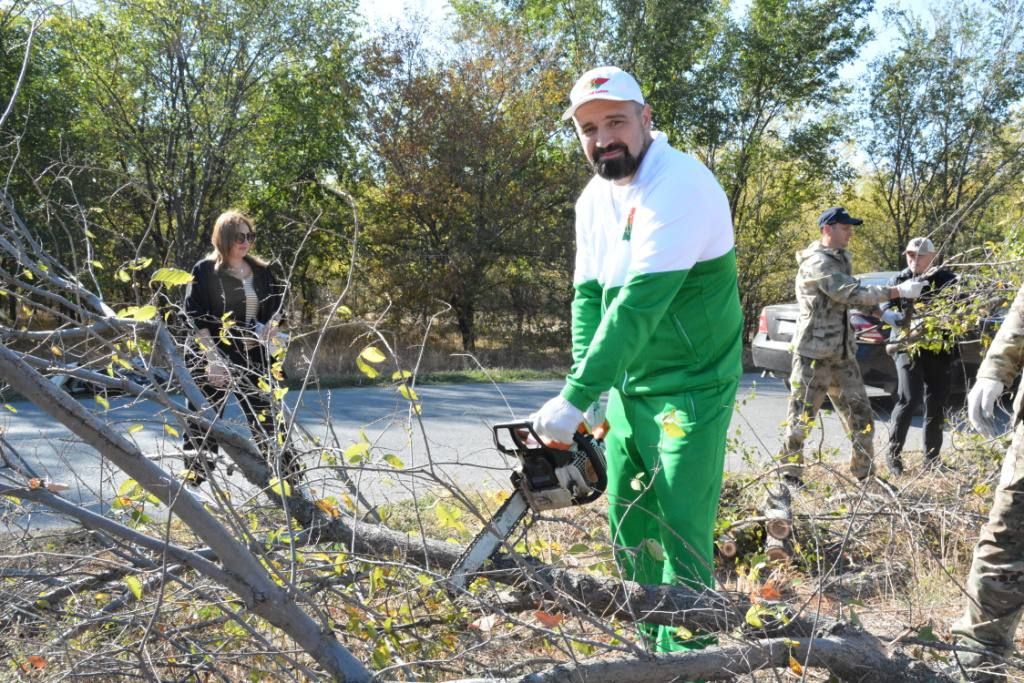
<point x="824" y="346"/>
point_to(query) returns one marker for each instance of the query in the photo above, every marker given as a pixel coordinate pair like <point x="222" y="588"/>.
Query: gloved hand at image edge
<point x="910" y="289"/>
<point x="981" y="404"/>
<point x="557" y="421"/>
<point x="892" y="317"/>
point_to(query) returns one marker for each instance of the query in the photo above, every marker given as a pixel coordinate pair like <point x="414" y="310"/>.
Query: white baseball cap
<point x="920" y="245"/>
<point x="603" y="83"/>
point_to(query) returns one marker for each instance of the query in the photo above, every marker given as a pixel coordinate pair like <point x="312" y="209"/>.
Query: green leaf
<point x="579" y="548"/>
<point x="172" y="277"/>
<point x="356" y="453"/>
<point x="753" y="616"/>
<point x="134" y="585"/>
<point x="280" y="487"/>
<point x="123" y="276"/>
<point x="394" y="461"/>
<point x="372" y="354"/>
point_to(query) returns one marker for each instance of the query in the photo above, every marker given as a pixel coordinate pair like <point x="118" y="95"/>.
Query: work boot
<point x="895" y="464"/>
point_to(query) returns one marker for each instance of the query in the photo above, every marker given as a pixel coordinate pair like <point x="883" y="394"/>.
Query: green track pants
<point x="665" y="459"/>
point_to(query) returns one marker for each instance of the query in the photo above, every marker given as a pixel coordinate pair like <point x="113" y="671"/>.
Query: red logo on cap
<point x="597" y="83"/>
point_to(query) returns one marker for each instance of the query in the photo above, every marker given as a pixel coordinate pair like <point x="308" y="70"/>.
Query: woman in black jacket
<point x="234" y="305"/>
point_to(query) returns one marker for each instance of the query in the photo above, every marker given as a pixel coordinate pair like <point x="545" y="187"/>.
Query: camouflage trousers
<point x="995" y="586"/>
<point x="811" y="380"/>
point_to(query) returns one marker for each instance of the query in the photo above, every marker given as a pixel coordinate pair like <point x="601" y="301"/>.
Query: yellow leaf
<point x="280" y="487"/>
<point x="11" y="408"/>
<point x="795" y="667"/>
<point x="172" y="277"/>
<point x="55" y="350"/>
<point x="102" y="401"/>
<point x="123" y="276"/>
<point x="754" y="617"/>
<point x="134" y="585"/>
<point x="400" y="375"/>
<point x="372" y="354"/>
<point x="366" y="369"/>
<point x="135" y="428"/>
<point x="89" y="234"/>
<point x="97" y="265"/>
<point x="328" y="507"/>
<point x="394" y="461"/>
<point x="408" y="393"/>
<point x="170" y="430"/>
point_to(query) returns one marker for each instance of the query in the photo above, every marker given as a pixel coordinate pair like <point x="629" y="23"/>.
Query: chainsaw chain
<point x="485" y="530"/>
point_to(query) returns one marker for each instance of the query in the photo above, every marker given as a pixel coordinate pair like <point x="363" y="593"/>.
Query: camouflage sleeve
<point x="1005" y="357"/>
<point x="892" y="303"/>
<point x="843" y="288"/>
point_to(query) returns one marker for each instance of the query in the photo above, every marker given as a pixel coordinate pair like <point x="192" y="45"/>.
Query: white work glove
<point x="556" y="421"/>
<point x="910" y="289"/>
<point x="892" y="317"/>
<point x="981" y="403"/>
<point x="217" y="372"/>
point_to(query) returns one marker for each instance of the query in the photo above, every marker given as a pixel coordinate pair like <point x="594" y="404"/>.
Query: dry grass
<point x="891" y="556"/>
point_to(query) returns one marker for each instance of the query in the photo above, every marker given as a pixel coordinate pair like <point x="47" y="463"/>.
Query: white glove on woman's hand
<point x="892" y="317"/>
<point x="981" y="403"/>
<point x="557" y="420"/>
<point x="910" y="289"/>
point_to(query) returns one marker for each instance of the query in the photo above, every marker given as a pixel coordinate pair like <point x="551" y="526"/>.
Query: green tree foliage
<point x="762" y="107"/>
<point x="474" y="179"/>
<point x="943" y="131"/>
<point x="191" y="108"/>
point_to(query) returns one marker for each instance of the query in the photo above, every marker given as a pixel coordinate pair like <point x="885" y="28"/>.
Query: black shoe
<point x="895" y="465"/>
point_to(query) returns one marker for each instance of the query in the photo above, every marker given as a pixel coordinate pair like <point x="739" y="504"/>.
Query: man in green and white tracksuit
<point x="656" y="319"/>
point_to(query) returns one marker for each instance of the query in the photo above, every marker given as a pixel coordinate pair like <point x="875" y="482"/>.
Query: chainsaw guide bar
<point x="547" y="478"/>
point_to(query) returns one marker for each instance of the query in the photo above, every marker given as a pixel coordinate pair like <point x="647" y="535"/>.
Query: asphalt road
<point x="452" y="442"/>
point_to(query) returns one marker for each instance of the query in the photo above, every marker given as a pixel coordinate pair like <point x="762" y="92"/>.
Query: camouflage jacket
<point x="1005" y="357"/>
<point x="825" y="289"/>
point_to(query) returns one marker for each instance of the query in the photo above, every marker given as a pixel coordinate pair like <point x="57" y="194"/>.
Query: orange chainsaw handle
<point x="599" y="433"/>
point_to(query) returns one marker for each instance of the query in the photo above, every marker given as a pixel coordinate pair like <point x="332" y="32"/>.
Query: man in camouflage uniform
<point x="995" y="586"/>
<point x="824" y="349"/>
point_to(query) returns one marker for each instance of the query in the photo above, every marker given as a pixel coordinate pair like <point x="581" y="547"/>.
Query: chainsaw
<point x="547" y="478"/>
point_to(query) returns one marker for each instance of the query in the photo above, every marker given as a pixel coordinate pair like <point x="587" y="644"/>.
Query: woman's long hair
<point x="229" y="224"/>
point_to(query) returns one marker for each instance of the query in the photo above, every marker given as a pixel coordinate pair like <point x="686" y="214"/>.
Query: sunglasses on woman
<point x="243" y="237"/>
